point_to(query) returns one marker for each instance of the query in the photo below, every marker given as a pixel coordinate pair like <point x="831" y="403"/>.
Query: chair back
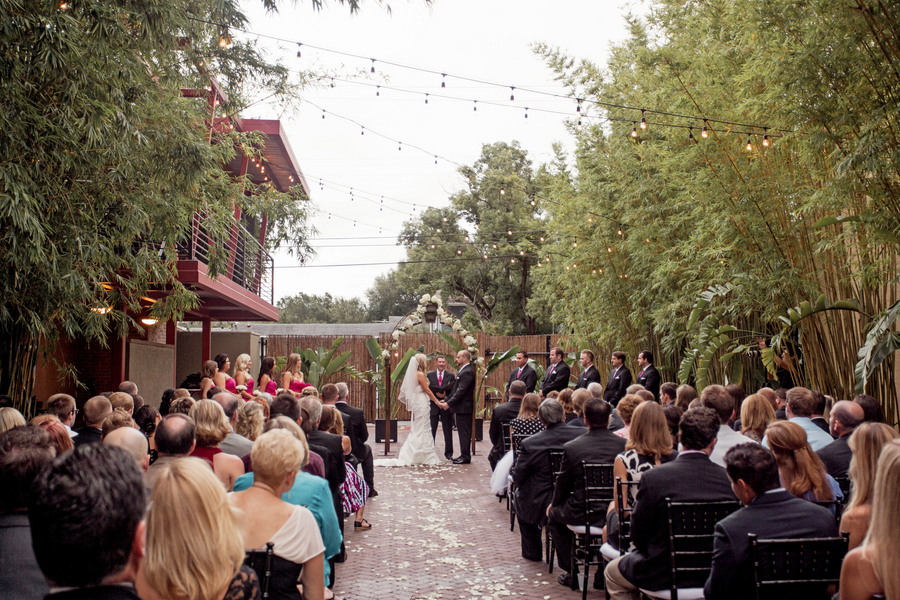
<point x="505" y="436"/>
<point x="836" y="507"/>
<point x="844" y="483"/>
<point x="625" y="489"/>
<point x="555" y="458"/>
<point x="691" y="529"/>
<point x="599" y="490"/>
<point x="261" y="562"/>
<point x="797" y="568"/>
<point x="517" y="439"/>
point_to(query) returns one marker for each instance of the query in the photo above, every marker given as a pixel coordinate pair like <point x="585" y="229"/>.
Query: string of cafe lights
<point x="700" y="121"/>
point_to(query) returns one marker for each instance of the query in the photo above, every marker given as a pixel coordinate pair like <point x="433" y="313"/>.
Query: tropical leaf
<point x="336" y="364"/>
<point x="703" y="301"/>
<point x="451" y="340"/>
<point x="877" y="346"/>
<point x="828" y="221"/>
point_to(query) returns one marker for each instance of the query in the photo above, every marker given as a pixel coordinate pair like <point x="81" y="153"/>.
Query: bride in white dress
<point x="415" y="394"/>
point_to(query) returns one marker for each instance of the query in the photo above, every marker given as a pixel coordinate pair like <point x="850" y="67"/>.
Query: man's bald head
<point x="175" y="435"/>
<point x="229" y="403"/>
<point x="845" y="417"/>
<point x="96" y="410"/>
<point x="129" y="387"/>
<point x="134" y="442"/>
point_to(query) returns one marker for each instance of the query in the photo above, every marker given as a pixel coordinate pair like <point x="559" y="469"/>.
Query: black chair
<point x="599" y="490"/>
<point x="624" y="489"/>
<point x="844" y="483"/>
<point x="516" y="439"/>
<point x="506" y="445"/>
<point x="691" y="529"/>
<point x="836" y="507"/>
<point x="797" y="569"/>
<point x="261" y="562"/>
<point x="555" y="458"/>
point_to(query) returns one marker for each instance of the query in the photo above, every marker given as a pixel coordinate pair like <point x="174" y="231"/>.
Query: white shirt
<point x="726" y="439"/>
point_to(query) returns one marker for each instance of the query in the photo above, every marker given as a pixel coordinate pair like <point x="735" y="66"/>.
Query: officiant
<point x="440" y="381"/>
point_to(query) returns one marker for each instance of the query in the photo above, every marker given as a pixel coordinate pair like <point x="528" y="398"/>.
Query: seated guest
<point x="756" y="414"/>
<point x="769" y="394"/>
<point x="195" y="544"/>
<point x="673" y="417"/>
<point x="634" y="388"/>
<point x="357" y="424"/>
<point x="818" y="415"/>
<point x="333" y="447"/>
<point x="128" y="387"/>
<point x="354" y="491"/>
<point x="310" y="491"/>
<point x="94" y="412"/>
<point x="668" y="393"/>
<point x="770" y="511"/>
<point x="24" y="452"/>
<point x="61" y="440"/>
<point x="182" y="406"/>
<point x="600" y="446"/>
<point x="800" y="406"/>
<point x="649" y="445"/>
<point x="684" y="396"/>
<point x="211" y="428"/>
<point x="286" y="405"/>
<point x="175" y="439"/>
<point x="250" y="420"/>
<point x="85" y="511"/>
<point x="871" y="569"/>
<point x="234" y="443"/>
<point x="503" y="413"/>
<point x="117" y="419"/>
<point x="527" y="421"/>
<point x="146" y="418"/>
<point x="717" y="398"/>
<point x="122" y="401"/>
<point x="9" y="418"/>
<point x="866" y="443"/>
<point x="277" y="458"/>
<point x="845" y="417"/>
<point x="532" y="476"/>
<point x="737" y="393"/>
<point x="165" y="402"/>
<point x="781" y="404"/>
<point x="645" y="395"/>
<point x="871" y="408"/>
<point x="565" y="398"/>
<point x="691" y="477"/>
<point x="63" y="406"/>
<point x="579" y="397"/>
<point x="626" y="410"/>
<point x="615" y="421"/>
<point x="132" y="441"/>
<point x="802" y="472"/>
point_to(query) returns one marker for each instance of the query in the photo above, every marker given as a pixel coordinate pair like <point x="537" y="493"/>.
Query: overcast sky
<point x="488" y="40"/>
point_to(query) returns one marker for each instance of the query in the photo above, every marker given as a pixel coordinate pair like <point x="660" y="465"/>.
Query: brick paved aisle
<point x="438" y="532"/>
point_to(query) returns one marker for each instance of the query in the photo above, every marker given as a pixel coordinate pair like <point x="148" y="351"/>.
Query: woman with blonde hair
<point x="871" y="569"/>
<point x="649" y="445"/>
<point x="626" y="408"/>
<point x="292" y="376"/>
<point x="209" y="370"/>
<point x="9" y="418"/>
<point x="866" y="442"/>
<point x="354" y="490"/>
<point x="194" y="545"/>
<point x="277" y="457"/>
<point x="756" y="414"/>
<point x="243" y="383"/>
<point x="565" y="398"/>
<point x="309" y="390"/>
<point x="802" y="471"/>
<point x="212" y="427"/>
<point x="250" y="421"/>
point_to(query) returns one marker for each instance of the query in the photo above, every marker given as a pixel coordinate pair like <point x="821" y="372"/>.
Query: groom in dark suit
<point x="440" y="382"/>
<point x="462" y="403"/>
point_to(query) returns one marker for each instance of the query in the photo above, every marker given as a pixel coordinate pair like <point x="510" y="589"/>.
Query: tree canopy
<point x="312" y="308"/>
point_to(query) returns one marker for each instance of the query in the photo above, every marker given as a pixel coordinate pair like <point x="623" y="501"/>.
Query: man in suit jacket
<point x="648" y="376"/>
<point x="356" y="427"/>
<point x="95" y="412"/>
<point x="441" y="382"/>
<point x="717" y="398"/>
<point x="619" y="379"/>
<point x="532" y="476"/>
<point x="598" y="446"/>
<point x="557" y="377"/>
<point x="462" y="403"/>
<point x="522" y="372"/>
<point x="845" y="417"/>
<point x="504" y="413"/>
<point x="770" y="511"/>
<point x="589" y="373"/>
<point x="691" y="477"/>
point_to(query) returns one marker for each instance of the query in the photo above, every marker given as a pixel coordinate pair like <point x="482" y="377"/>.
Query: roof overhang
<point x="222" y="299"/>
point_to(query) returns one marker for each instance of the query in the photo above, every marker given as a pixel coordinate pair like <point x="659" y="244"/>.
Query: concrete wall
<point x="150" y="366"/>
<point x="231" y="343"/>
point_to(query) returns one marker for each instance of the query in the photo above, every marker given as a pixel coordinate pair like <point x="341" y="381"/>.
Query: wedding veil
<point x="410" y="386"/>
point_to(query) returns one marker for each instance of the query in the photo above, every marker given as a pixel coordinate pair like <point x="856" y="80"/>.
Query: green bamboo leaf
<point x="828" y="221"/>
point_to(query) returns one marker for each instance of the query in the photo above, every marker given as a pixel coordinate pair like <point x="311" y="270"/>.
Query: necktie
<point x="440" y="378"/>
<point x="519" y="375"/>
<point x="552" y="368"/>
<point x="642" y="372"/>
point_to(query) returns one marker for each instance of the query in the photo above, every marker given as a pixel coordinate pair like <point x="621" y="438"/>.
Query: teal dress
<point x="313" y="493"/>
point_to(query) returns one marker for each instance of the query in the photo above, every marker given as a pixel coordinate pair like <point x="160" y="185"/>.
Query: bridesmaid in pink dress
<point x="266" y="382"/>
<point x="241" y="377"/>
<point x="221" y="378"/>
<point x="292" y="378"/>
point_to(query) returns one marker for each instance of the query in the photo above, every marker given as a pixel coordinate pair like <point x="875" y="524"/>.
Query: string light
<point x="502" y="191"/>
<point x="512" y="97"/>
<point x="704" y="133"/>
<point x="299" y="44"/>
<point x="475" y="105"/>
<point x="765" y="136"/>
<point x="373" y="66"/>
<point x="323" y="113"/>
<point x="378" y="91"/>
<point x="362" y="131"/>
<point x="526" y="112"/>
<point x="633" y="130"/>
<point x="749" y="145"/>
<point x="578" y="108"/>
<point x="426" y="98"/>
<point x="579" y="125"/>
<point x="643" y="120"/>
<point x="443" y="80"/>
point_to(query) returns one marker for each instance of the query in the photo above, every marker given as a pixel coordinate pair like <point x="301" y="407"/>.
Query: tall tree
<point x="387" y="297"/>
<point x="312" y="308"/>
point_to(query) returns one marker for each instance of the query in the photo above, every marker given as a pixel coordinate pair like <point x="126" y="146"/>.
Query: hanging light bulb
<point x="502" y="191"/>
<point x="435" y="159"/>
<point x="704" y="133"/>
<point x="459" y="251"/>
<point x="377" y="90"/>
<point x="399" y="146"/>
<point x="633" y="130"/>
<point x="362" y="131"/>
<point x="578" y="108"/>
<point x="765" y="136"/>
<point x="323" y="113"/>
<point x="509" y="232"/>
<point x="526" y="112"/>
<point x="579" y="125"/>
<point x="643" y="120"/>
<point x="749" y="145"/>
<point x="443" y="80"/>
<point x="426" y="98"/>
<point x="691" y="135"/>
<point x="620" y="231"/>
<point x="474" y="105"/>
<point x="373" y="66"/>
<point x="298" y="49"/>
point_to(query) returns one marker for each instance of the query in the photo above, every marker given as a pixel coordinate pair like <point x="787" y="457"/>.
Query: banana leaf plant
<point x="496" y="361"/>
<point x="377" y="377"/>
<point x="881" y="342"/>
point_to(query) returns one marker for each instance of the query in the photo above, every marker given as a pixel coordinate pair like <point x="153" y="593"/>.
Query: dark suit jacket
<point x="529" y="377"/>
<point x="462" y="400"/>
<point x="780" y="414"/>
<point x="773" y="515"/>
<point x="335" y="472"/>
<point x="20" y="575"/>
<point x="534" y="482"/>
<point x="598" y="446"/>
<point x="447" y="381"/>
<point x="617" y="384"/>
<point x="691" y="477"/>
<point x="822" y="424"/>
<point x="88" y="435"/>
<point x="836" y="456"/>
<point x="556" y="381"/>
<point x="356" y="428"/>
<point x="587" y="377"/>
<point x="649" y="378"/>
<point x="505" y="412"/>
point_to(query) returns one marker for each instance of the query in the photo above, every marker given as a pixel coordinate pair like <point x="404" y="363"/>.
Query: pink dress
<point x="271" y="387"/>
<point x="297" y="386"/>
<point x="249" y="384"/>
<point x="230" y="385"/>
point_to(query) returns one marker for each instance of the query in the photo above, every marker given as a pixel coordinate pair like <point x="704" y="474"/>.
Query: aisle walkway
<point x="439" y="533"/>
